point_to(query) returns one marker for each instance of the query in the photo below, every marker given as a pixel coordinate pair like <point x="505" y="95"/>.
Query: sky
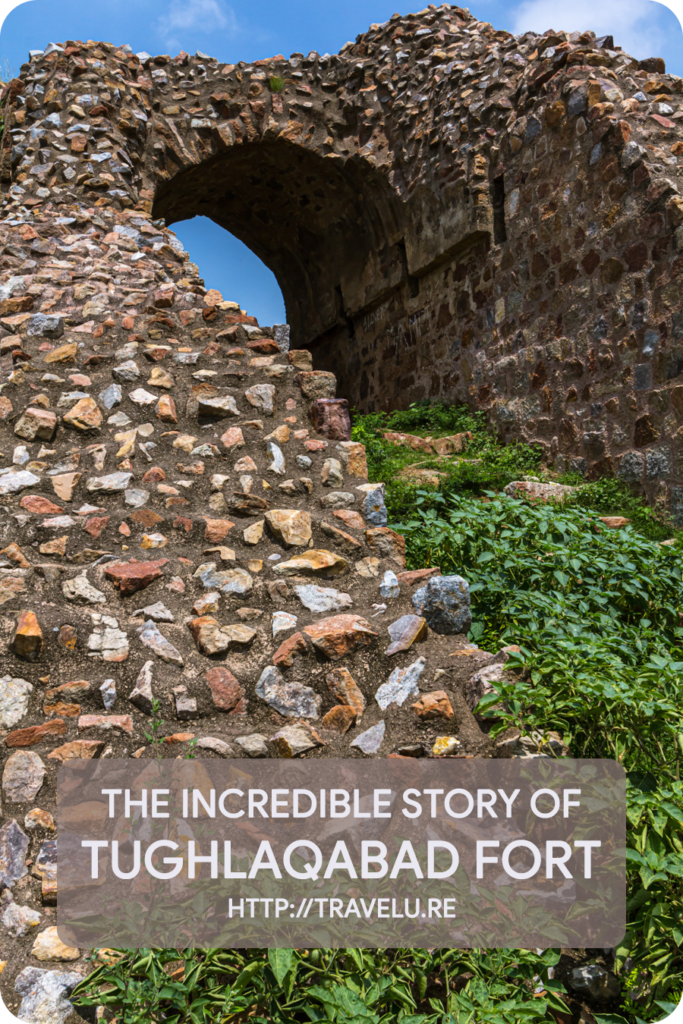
<point x="247" y="30"/>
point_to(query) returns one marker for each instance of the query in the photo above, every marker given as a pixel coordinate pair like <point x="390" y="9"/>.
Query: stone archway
<point x="452" y="213"/>
<point x="324" y="230"/>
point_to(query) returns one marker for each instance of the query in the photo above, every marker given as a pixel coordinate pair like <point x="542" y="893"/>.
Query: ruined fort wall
<point x="451" y="211"/>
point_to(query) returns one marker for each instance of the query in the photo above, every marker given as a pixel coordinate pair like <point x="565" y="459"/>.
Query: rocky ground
<point x="193" y="562"/>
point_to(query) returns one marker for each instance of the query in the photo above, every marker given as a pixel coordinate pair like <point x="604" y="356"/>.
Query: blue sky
<point x="246" y="30"/>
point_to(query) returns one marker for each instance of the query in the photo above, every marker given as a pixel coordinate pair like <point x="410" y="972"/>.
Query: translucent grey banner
<point x="467" y="852"/>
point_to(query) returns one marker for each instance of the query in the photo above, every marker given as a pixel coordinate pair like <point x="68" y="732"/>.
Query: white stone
<point x="322" y="599"/>
<point x="79" y="589"/>
<point x="401" y="685"/>
<point x="111" y="484"/>
<point x="283" y="622"/>
<point x="14" y="694"/>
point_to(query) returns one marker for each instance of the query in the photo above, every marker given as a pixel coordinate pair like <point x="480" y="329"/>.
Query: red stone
<point x="266" y="346"/>
<point x="226" y="691"/>
<point x="95" y="525"/>
<point x="331" y="418"/>
<point x="340" y="635"/>
<point x="154" y="475"/>
<point x="146" y="518"/>
<point x="181" y="523"/>
<point x="40" y="506"/>
<point x="217" y="530"/>
<point x="289" y="649"/>
<point x="416" y="575"/>
<point x="35" y="733"/>
<point x="132" y="576"/>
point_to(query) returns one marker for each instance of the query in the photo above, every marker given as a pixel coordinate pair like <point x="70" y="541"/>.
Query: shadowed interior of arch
<point x="321" y="229"/>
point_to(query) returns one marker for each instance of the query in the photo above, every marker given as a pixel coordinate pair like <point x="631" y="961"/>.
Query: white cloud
<point x="633" y="23"/>
<point x="195" y="16"/>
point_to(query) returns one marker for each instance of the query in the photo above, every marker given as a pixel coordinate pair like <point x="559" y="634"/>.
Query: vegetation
<point x="596" y="614"/>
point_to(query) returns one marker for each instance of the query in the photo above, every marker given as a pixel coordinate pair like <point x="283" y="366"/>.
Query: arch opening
<point x="230" y="266"/>
<point x="331" y="234"/>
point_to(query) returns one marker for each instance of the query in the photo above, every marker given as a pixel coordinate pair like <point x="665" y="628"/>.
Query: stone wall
<point x="451" y="211"/>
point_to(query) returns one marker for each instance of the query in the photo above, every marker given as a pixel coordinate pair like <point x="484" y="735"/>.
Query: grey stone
<point x="14" y="694"/>
<point x="218" y="407"/>
<point x="294" y="740"/>
<point x="278" y="464"/>
<point x="108" y="691"/>
<point x="283" y="622"/>
<point x="10" y="483"/>
<point x="374" y="509"/>
<point x="80" y="590"/>
<point x="253" y="745"/>
<point x="658" y="463"/>
<point x="401" y="685"/>
<point x="42" y="326"/>
<point x="642" y="378"/>
<point x="127" y="372"/>
<point x="371" y="740"/>
<point x="281" y="336"/>
<point x="107" y="640"/>
<point x="141" y="696"/>
<point x="151" y="637"/>
<point x="631" y="466"/>
<point x="261" y="396"/>
<point x="631" y="155"/>
<point x="111" y="396"/>
<point x="19" y="920"/>
<point x="110" y="484"/>
<point x="481" y="684"/>
<point x="338" y="499"/>
<point x="13" y="848"/>
<point x="22" y="777"/>
<point x="676" y="504"/>
<point x="44" y="994"/>
<point x="185" y="707"/>
<point x="158" y="612"/>
<point x="593" y="980"/>
<point x="445" y="603"/>
<point x="322" y="599"/>
<point x="136" y="497"/>
<point x="218" y="746"/>
<point x="293" y="700"/>
<point x="228" y="581"/>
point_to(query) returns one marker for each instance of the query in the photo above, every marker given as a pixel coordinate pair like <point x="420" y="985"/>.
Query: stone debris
<point x="401" y="685"/>
<point x="22" y="777"/>
<point x="14" y="700"/>
<point x="322" y="599"/>
<point x="371" y="740"/>
<point x="19" y="920"/>
<point x="253" y="745"/>
<point x="444" y="602"/>
<point x="141" y="696"/>
<point x="48" y="946"/>
<point x="44" y="994"/>
<point x="151" y="637"/>
<point x="80" y="589"/>
<point x="406" y="631"/>
<point x="293" y="700"/>
<point x="14" y="845"/>
<point x="537" y="491"/>
<point x="295" y="740"/>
